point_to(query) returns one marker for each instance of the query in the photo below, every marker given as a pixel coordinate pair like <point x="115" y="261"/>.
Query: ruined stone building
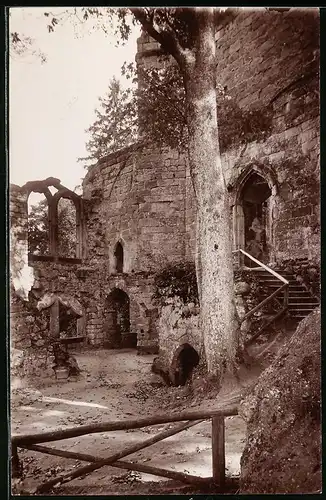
<point x="137" y="211"/>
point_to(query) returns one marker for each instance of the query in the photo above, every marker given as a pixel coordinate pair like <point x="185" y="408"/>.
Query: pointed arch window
<point x="119" y="257"/>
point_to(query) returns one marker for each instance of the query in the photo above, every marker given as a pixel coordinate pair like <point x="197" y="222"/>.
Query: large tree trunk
<point x="219" y="318"/>
<point x="194" y="51"/>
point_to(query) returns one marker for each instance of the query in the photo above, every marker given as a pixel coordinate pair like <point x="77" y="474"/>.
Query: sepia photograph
<point x="164" y="237"/>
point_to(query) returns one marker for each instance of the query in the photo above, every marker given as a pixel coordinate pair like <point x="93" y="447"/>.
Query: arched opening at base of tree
<point x="185" y="359"/>
<point x="117" y="322"/>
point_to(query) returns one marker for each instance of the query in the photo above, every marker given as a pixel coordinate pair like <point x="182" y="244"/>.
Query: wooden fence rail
<point x="121" y="425"/>
<point x="31" y="442"/>
<point x="121" y="464"/>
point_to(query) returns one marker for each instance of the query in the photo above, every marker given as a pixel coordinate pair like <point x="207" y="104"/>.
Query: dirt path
<point x="117" y="385"/>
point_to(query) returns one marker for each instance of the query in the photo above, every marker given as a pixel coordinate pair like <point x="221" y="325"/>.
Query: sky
<point x="51" y="104"/>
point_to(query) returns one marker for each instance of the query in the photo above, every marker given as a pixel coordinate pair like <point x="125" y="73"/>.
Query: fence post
<point x="218" y="450"/>
<point x="15" y="464"/>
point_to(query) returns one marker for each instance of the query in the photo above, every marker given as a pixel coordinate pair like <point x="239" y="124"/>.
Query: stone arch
<point x="42" y="190"/>
<point x="264" y="171"/>
<point x="42" y="186"/>
<point x="117" y="329"/>
<point x="185" y="359"/>
<point x="253" y="218"/>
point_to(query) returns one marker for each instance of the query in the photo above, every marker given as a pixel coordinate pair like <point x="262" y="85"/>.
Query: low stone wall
<point x="178" y="324"/>
<point x="306" y="272"/>
<point x="29" y="363"/>
<point x="30" y="353"/>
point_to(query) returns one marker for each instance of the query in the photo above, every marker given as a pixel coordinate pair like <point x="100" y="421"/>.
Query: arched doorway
<point x="252" y="218"/>
<point x="185" y="359"/>
<point x="118" y="334"/>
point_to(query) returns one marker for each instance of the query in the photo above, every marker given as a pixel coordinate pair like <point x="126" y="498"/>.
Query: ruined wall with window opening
<point x="142" y="198"/>
<point x="54" y="282"/>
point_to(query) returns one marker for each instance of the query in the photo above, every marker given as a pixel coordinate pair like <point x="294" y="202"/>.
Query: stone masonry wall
<point x="87" y="282"/>
<point x="260" y="52"/>
<point x="137" y="198"/>
<point x="267" y="60"/>
<point x="178" y="324"/>
<point x="270" y="59"/>
<point x="143" y="197"/>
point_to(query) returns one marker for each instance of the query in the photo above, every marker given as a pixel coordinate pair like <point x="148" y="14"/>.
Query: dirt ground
<point x="116" y="385"/>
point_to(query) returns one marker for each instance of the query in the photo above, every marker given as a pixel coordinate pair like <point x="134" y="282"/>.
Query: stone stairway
<point x="300" y="301"/>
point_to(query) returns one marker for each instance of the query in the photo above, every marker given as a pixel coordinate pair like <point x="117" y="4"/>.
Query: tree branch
<point x="167" y="39"/>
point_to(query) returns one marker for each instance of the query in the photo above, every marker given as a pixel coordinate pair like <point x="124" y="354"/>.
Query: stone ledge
<point x="150" y="349"/>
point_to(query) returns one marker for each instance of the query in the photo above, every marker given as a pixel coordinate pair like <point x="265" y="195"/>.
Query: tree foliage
<point x="67" y="228"/>
<point x="157" y="109"/>
<point x="22" y="46"/>
<point x="162" y="106"/>
<point x="115" y="124"/>
<point x="38" y="228"/>
<point x="177" y="280"/>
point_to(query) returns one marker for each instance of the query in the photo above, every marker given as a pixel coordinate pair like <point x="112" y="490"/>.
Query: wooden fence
<point x="189" y="419"/>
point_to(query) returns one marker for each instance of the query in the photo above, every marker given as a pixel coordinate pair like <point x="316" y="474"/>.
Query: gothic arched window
<point x="118" y="253"/>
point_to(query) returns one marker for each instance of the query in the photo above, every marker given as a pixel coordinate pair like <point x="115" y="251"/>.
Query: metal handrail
<point x="274" y="273"/>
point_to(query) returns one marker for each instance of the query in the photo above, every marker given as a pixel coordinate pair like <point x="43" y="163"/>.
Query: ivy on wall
<point x="177" y="280"/>
<point x="239" y="126"/>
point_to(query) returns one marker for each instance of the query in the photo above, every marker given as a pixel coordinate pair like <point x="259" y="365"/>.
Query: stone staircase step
<point x="301" y="307"/>
<point x="298" y="259"/>
<point x="292" y="286"/>
<point x="303" y="298"/>
<point x="300" y="301"/>
<point x="270" y="280"/>
<point x="304" y="311"/>
<point x="297" y="305"/>
<point x="267" y="274"/>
